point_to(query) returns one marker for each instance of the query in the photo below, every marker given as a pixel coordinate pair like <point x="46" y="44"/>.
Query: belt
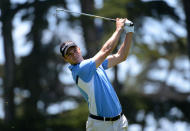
<point x="106" y="118"/>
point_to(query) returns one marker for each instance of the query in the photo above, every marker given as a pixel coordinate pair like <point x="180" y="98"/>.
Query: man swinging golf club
<point x="105" y="112"/>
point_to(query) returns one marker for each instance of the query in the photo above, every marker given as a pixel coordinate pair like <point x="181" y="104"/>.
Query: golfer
<point x="105" y="111"/>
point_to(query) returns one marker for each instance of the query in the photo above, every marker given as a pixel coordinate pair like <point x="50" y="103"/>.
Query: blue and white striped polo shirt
<point x="96" y="88"/>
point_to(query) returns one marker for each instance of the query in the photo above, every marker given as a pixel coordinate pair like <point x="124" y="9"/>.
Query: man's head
<point x="71" y="52"/>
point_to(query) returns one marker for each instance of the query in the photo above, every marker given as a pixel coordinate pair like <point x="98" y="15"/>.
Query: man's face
<point x="73" y="55"/>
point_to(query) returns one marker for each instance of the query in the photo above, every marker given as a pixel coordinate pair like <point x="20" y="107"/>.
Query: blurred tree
<point x="186" y="4"/>
<point x="165" y="95"/>
<point x="89" y="29"/>
<point x="39" y="71"/>
<point x="36" y="72"/>
<point x="9" y="67"/>
<point x="33" y="69"/>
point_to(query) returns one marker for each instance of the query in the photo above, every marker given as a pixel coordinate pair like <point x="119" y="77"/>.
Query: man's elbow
<point x="122" y="58"/>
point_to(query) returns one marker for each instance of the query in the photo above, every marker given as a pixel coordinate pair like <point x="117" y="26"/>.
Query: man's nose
<point x="74" y="54"/>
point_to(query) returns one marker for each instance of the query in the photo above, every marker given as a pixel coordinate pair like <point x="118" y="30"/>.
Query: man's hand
<point x="128" y="28"/>
<point x="120" y="23"/>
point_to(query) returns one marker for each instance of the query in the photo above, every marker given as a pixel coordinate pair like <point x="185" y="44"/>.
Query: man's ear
<point x="79" y="49"/>
<point x="65" y="59"/>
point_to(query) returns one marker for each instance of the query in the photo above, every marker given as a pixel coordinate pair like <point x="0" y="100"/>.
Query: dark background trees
<point x="35" y="82"/>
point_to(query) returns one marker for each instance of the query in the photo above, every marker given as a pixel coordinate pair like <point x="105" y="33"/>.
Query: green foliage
<point x="114" y="9"/>
<point x="1" y="71"/>
<point x="144" y="52"/>
<point x="74" y="119"/>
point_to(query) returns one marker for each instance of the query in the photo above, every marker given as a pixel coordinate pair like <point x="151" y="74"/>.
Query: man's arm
<point x="122" y="53"/>
<point x="110" y="44"/>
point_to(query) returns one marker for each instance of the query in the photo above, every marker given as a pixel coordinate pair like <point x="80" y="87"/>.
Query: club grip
<point x="129" y="23"/>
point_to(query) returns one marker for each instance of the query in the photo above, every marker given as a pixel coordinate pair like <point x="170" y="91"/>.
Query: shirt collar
<point x="72" y="66"/>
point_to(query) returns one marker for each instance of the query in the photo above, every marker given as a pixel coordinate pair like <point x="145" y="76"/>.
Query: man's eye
<point x="68" y="55"/>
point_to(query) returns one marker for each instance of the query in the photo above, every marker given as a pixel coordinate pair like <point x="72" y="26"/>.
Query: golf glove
<point x="129" y="27"/>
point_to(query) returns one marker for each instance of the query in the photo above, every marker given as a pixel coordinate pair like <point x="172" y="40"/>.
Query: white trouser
<point x="98" y="125"/>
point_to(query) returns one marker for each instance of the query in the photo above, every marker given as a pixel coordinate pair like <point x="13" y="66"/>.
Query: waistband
<point x="106" y="118"/>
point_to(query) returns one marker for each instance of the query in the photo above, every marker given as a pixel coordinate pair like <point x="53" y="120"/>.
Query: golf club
<point x="127" y="22"/>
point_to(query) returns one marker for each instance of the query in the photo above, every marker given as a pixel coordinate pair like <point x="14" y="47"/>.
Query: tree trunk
<point x="89" y="29"/>
<point x="186" y="4"/>
<point x="9" y="66"/>
<point x="117" y="85"/>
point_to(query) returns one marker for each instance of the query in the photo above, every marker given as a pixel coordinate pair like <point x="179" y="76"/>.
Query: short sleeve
<point x="105" y="64"/>
<point x="86" y="69"/>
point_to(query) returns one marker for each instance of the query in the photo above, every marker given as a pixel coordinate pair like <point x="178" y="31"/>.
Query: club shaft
<point x="101" y="17"/>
